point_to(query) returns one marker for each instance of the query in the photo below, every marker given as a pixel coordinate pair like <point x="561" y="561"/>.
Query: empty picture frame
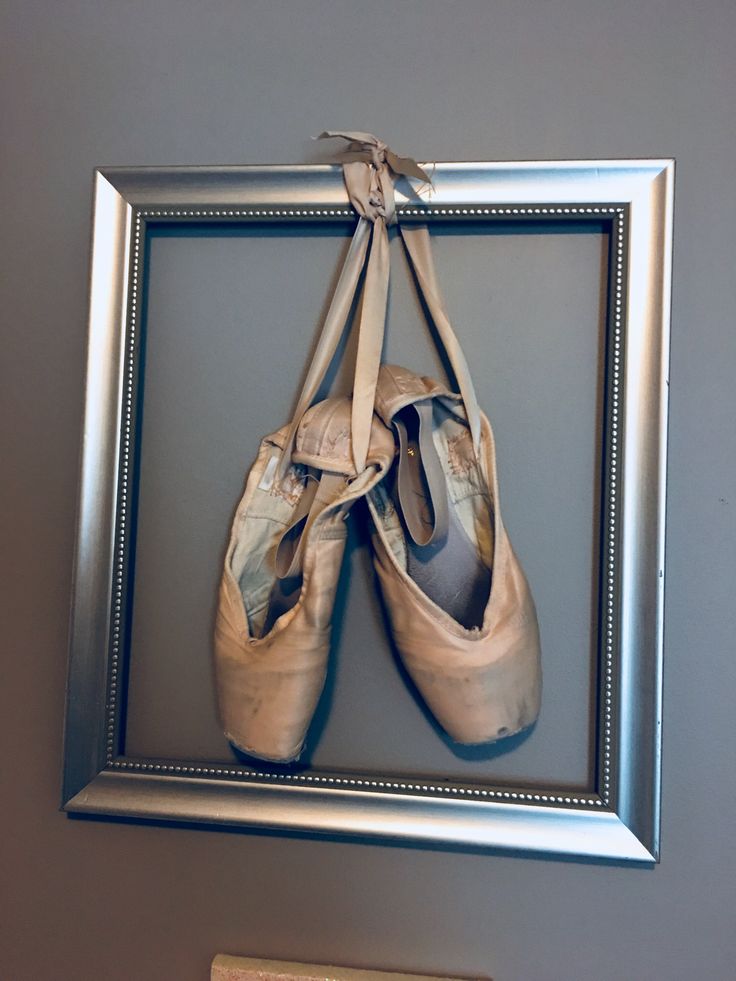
<point x="108" y="768"/>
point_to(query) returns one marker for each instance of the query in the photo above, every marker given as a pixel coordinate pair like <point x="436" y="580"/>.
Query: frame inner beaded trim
<point x="614" y="213"/>
<point x="368" y="783"/>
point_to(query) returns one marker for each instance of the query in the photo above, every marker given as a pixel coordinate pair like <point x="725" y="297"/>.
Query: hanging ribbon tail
<point x="370" y="343"/>
<point x="407" y="167"/>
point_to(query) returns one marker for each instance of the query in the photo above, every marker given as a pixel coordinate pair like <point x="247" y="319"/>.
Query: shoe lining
<point x="269" y="513"/>
<point x="445" y="571"/>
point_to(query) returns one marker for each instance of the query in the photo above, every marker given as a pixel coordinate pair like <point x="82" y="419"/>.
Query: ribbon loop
<point x="369" y="168"/>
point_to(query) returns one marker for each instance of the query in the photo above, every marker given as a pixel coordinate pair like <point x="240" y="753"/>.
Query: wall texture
<point x="87" y="82"/>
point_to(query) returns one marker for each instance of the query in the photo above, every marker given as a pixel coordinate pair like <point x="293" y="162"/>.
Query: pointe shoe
<point x="461" y="612"/>
<point x="281" y="573"/>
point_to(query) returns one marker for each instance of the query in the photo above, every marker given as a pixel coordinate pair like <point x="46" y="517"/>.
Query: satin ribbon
<point x="418" y="247"/>
<point x="369" y="168"/>
<point x="332" y="329"/>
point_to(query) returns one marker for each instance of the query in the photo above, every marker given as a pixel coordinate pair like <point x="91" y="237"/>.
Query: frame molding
<point x="621" y="819"/>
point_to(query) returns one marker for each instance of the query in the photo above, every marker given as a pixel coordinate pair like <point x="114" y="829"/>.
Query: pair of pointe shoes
<point x="462" y="616"/>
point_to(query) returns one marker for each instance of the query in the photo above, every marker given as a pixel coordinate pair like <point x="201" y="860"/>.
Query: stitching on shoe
<point x="292" y="487"/>
<point x="460" y="463"/>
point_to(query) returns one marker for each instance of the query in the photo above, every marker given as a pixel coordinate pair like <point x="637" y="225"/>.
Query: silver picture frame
<point x="619" y="819"/>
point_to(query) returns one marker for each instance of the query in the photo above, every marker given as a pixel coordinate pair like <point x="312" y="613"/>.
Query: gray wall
<point x="159" y="82"/>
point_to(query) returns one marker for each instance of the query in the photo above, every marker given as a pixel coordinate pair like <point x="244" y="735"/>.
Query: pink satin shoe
<point x="461" y="612"/>
<point x="281" y="574"/>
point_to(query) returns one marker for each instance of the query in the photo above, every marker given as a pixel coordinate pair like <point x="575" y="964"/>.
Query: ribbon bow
<point x="369" y="166"/>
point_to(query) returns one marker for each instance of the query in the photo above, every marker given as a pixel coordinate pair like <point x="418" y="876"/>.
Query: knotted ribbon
<point x="371" y="188"/>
